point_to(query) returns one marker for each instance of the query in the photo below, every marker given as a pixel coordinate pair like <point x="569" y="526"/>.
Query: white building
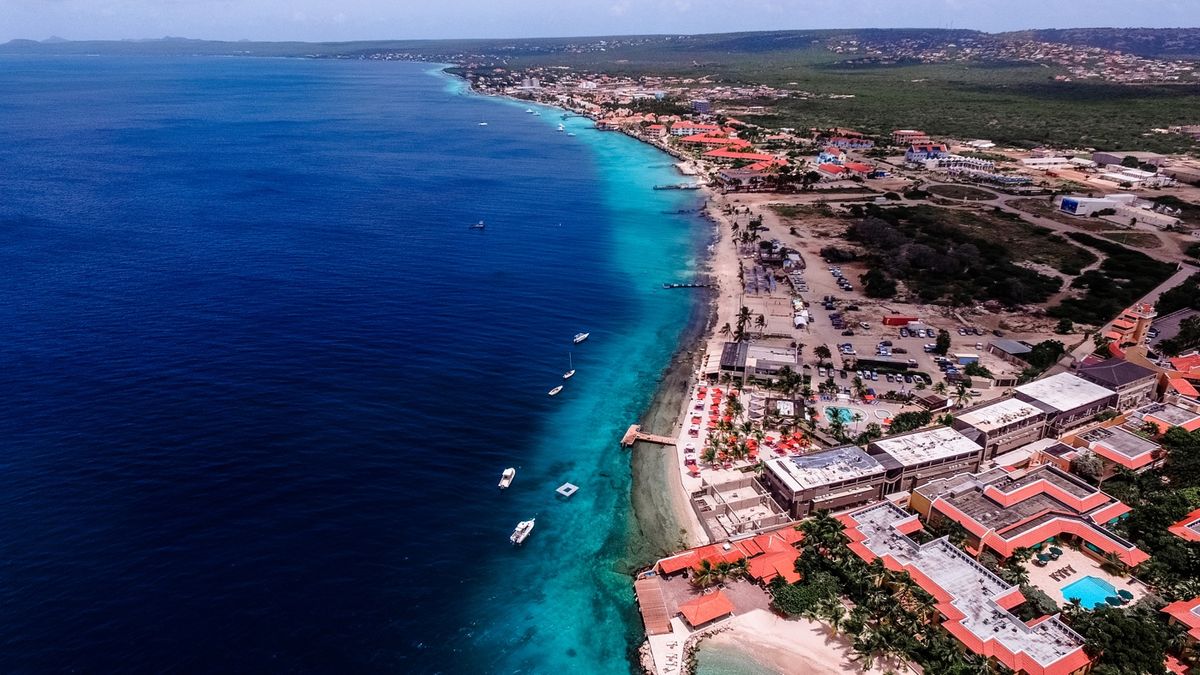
<point x="1047" y="163"/>
<point x="958" y="162"/>
<point x="1126" y="209"/>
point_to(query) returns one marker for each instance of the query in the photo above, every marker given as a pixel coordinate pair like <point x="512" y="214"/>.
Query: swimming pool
<point x="846" y="415"/>
<point x="1091" y="592"/>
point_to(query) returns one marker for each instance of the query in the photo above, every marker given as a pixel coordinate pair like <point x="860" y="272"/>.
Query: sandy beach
<point x="789" y="646"/>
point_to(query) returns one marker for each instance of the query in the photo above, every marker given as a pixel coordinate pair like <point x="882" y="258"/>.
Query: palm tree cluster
<point x="729" y="439"/>
<point x="890" y="616"/>
<point x="707" y="574"/>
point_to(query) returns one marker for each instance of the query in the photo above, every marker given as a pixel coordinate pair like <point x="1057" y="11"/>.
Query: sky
<point x="321" y="20"/>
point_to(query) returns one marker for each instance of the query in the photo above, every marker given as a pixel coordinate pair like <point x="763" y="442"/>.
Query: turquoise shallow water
<point x="727" y="660"/>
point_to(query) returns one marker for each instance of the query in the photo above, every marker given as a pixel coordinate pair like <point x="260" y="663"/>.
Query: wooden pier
<point x="635" y="434"/>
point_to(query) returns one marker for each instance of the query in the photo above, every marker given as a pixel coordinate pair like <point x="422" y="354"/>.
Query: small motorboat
<point x="521" y="533"/>
<point x="554" y="391"/>
<point x="570" y="367"/>
<point x="561" y="127"/>
<point x="506" y="478"/>
<point x="580" y="337"/>
<point x="476" y="226"/>
<point x="483" y="124"/>
<point x="529" y="111"/>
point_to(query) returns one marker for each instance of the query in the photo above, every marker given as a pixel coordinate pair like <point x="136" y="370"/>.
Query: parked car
<point x="874" y="375"/>
<point x="889" y="377"/>
<point x="998" y="333"/>
<point x="962" y="331"/>
<point x="900" y="350"/>
<point x="845" y="375"/>
<point x="886" y="343"/>
<point x="864" y="325"/>
<point x="908" y="379"/>
<point x="978" y="346"/>
<point x="847" y="332"/>
<point x="903" y="332"/>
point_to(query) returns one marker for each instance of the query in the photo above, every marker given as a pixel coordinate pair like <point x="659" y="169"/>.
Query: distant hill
<point x="1149" y="42"/>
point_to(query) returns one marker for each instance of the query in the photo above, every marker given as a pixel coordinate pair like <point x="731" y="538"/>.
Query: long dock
<point x="635" y="434"/>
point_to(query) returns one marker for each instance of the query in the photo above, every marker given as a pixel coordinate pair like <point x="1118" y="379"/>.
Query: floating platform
<point x="567" y="489"/>
<point x="679" y="186"/>
<point x="691" y="285"/>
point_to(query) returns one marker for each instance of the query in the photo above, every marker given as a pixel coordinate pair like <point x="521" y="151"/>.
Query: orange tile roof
<point x="730" y="154"/>
<point x="1183" y="611"/>
<point x="1183" y="387"/>
<point x="705" y="608"/>
<point x="1181" y="529"/>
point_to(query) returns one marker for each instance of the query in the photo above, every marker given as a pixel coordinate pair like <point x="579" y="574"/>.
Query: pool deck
<point x="1082" y="566"/>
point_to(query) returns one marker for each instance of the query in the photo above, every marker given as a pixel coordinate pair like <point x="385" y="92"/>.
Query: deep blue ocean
<point x="258" y="379"/>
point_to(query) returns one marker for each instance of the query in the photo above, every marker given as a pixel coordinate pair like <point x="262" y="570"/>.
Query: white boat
<point x="483" y="124"/>
<point x="580" y="337"/>
<point x="520" y="534"/>
<point x="554" y="391"/>
<point x="477" y="226"/>
<point x="529" y="110"/>
<point x="561" y="127"/>
<point x="571" y="134"/>
<point x="571" y="367"/>
<point x="537" y="114"/>
<point x="506" y="478"/>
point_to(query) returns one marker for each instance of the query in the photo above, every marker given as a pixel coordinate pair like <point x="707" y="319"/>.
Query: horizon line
<point x="58" y="39"/>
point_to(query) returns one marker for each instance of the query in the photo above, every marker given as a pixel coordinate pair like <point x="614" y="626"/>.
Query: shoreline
<point x="662" y="516"/>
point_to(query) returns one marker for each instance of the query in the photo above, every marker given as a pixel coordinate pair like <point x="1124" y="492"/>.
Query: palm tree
<point x="822" y="352"/>
<point x="760" y="322"/>
<point x="835" y="616"/>
<point x="939" y="388"/>
<point x="726" y="330"/>
<point x="962" y="397"/>
<point x="857" y="418"/>
<point x="705" y="574"/>
<point x="743" y="319"/>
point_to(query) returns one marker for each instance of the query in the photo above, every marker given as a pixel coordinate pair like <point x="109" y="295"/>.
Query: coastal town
<point x="879" y="468"/>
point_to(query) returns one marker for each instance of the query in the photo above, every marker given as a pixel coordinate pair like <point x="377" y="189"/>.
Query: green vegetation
<point x="1134" y="239"/>
<point x="1122" y="279"/>
<point x="1187" y="339"/>
<point x="977" y="370"/>
<point x="908" y="421"/>
<point x="1125" y="641"/>
<point x="960" y="258"/>
<point x="942" y="344"/>
<point x="1193" y="251"/>
<point x="960" y="192"/>
<point x="1185" y="295"/>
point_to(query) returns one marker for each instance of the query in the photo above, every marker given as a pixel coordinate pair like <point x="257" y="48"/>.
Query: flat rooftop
<point x="927" y="445"/>
<point x="973" y="590"/>
<point x="1064" y="392"/>
<point x="1121" y="442"/>
<point x="1000" y="414"/>
<point x="824" y="468"/>
<point x="1173" y="415"/>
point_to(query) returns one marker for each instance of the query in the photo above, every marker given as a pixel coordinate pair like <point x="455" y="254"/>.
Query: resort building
<point x="1186" y="613"/>
<point x="1047" y="163"/>
<point x="831" y="155"/>
<point x="693" y="129"/>
<point x="958" y="163"/>
<point x="1003" y="511"/>
<point x="749" y="361"/>
<point x="1164" y="416"/>
<point x="1119" y="449"/>
<point x="768" y="555"/>
<point x="1135" y="385"/>
<point x="734" y="508"/>
<point x="1002" y="425"/>
<point x="830" y="480"/>
<point x="1133" y="325"/>
<point x="1069" y="400"/>
<point x="848" y="143"/>
<point x="917" y="457"/>
<point x="1188" y="528"/>
<point x="974" y="602"/>
<point x="907" y="137"/>
<point x="920" y="152"/>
